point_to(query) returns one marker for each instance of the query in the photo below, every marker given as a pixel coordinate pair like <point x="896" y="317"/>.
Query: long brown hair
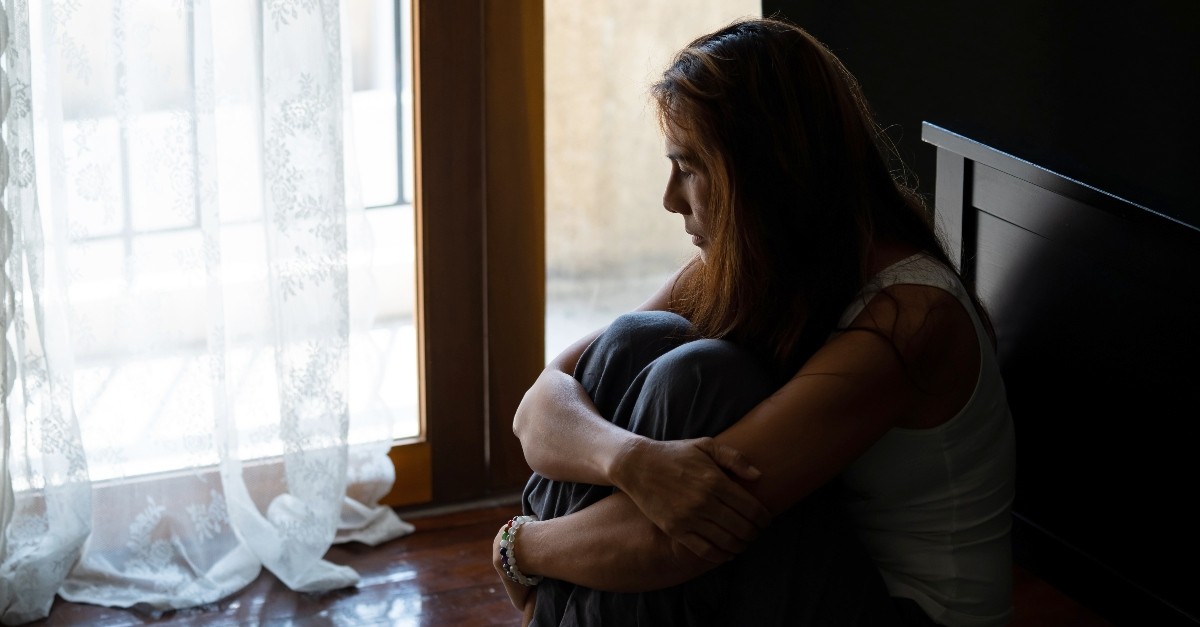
<point x="799" y="184"/>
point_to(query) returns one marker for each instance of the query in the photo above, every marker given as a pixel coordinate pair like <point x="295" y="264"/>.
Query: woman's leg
<point x="644" y="375"/>
<point x="611" y="371"/>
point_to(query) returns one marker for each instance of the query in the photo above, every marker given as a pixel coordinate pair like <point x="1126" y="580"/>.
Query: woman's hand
<point x="530" y="602"/>
<point x="522" y="597"/>
<point x="683" y="487"/>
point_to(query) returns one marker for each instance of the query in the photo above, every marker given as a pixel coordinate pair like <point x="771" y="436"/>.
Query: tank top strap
<point x="918" y="269"/>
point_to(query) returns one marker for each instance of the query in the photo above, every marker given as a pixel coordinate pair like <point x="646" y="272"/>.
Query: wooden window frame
<point x="479" y="198"/>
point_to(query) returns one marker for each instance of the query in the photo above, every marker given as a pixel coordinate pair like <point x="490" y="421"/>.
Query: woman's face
<point x="687" y="195"/>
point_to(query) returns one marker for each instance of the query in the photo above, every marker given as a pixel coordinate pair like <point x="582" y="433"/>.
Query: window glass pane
<point x="609" y="242"/>
<point x="381" y="44"/>
<point x="381" y="138"/>
<point x="141" y="317"/>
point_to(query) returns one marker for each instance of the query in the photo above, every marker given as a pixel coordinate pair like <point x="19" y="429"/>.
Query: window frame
<point x="479" y="209"/>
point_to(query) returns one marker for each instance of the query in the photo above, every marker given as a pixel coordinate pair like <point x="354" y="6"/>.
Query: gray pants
<point x="647" y="374"/>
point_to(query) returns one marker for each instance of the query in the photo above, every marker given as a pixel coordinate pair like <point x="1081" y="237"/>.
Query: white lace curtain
<point x="185" y="322"/>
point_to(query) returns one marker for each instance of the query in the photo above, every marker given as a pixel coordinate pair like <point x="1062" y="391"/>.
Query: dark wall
<point x="1104" y="93"/>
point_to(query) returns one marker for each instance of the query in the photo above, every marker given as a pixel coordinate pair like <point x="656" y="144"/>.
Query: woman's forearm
<point x="563" y="436"/>
<point x="561" y="433"/>
<point x="607" y="546"/>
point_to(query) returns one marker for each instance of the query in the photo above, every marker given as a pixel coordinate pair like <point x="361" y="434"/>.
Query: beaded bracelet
<point x="508" y="551"/>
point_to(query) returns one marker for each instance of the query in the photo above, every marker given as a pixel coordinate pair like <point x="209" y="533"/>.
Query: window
<point x="138" y="287"/>
<point x="609" y="243"/>
<point x="468" y="191"/>
<point x="478" y="78"/>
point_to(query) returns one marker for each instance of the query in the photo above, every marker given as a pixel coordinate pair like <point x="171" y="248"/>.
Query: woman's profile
<point x="806" y="425"/>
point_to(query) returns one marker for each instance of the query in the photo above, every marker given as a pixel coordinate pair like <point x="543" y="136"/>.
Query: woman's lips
<point x="696" y="239"/>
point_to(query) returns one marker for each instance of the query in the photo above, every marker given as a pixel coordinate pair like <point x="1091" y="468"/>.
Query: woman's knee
<point x="709" y="362"/>
<point x="702" y="387"/>
<point x="631" y="343"/>
<point x="640" y="328"/>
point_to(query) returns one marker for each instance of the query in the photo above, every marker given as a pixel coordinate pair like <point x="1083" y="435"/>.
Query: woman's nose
<point x="673" y="201"/>
<point x="667" y="203"/>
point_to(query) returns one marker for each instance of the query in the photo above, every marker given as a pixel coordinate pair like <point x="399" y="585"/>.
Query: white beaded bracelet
<point x="508" y="551"/>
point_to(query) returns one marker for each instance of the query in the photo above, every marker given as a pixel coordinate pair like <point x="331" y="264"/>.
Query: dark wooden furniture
<point x="1096" y="305"/>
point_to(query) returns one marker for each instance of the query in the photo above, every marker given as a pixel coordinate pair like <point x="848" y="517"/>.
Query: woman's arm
<point x="608" y="546"/>
<point x="799" y="437"/>
<point x="562" y="434"/>
<point x="854" y="389"/>
<point x="564" y="438"/>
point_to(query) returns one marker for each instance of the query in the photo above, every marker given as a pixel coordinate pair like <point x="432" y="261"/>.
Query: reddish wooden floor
<point x="442" y="575"/>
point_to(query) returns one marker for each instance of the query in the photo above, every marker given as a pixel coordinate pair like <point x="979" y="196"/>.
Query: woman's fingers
<point x="530" y="605"/>
<point x="729" y="458"/>
<point x="732" y="523"/>
<point x="685" y="488"/>
<point x="704" y="549"/>
<point x="713" y="543"/>
<point x="732" y="495"/>
<point x="737" y="500"/>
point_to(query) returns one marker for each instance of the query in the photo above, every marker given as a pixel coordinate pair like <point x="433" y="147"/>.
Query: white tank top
<point x="934" y="506"/>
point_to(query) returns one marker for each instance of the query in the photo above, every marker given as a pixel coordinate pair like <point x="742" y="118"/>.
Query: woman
<point x="806" y="425"/>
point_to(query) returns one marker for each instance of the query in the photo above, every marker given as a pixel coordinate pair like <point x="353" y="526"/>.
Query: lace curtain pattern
<point x="185" y="322"/>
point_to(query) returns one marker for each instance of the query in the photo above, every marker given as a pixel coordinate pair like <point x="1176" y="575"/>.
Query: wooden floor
<point x="442" y="575"/>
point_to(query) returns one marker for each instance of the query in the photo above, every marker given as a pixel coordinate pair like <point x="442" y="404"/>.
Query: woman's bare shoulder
<point x="935" y="338"/>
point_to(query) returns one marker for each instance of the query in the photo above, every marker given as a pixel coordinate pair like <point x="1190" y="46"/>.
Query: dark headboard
<point x="1096" y="305"/>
